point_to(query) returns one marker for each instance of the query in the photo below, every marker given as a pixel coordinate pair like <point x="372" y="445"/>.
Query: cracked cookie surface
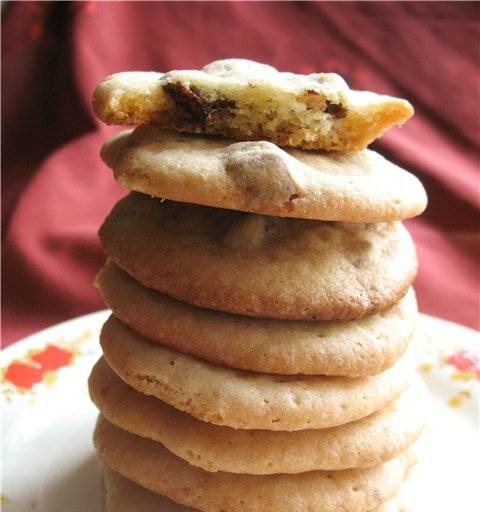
<point x="363" y="443"/>
<point x="247" y="400"/>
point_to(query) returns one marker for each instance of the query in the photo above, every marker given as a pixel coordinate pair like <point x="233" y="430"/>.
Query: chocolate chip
<point x="192" y="104"/>
<point x="338" y="111"/>
<point x="261" y="174"/>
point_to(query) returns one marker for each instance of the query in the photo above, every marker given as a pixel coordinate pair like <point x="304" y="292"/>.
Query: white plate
<point x="48" y="459"/>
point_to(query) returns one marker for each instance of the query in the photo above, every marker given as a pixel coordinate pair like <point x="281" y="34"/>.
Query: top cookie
<point x="246" y="100"/>
<point x="260" y="177"/>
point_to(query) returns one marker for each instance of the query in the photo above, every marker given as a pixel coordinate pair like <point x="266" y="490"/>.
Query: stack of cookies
<point x="257" y="356"/>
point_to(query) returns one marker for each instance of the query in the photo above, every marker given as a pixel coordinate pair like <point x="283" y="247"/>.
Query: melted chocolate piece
<point x="336" y="110"/>
<point x="192" y="104"/>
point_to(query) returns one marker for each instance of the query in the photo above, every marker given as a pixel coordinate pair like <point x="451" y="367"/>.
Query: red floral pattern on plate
<point x="26" y="375"/>
<point x="466" y="362"/>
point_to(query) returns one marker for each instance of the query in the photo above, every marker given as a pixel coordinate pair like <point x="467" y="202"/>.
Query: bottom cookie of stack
<point x="152" y="466"/>
<point x="224" y="440"/>
<point x="123" y="495"/>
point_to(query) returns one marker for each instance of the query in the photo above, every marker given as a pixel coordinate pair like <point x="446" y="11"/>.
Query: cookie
<point x="247" y="100"/>
<point x="352" y="348"/>
<point x="151" y="465"/>
<point x="123" y="495"/>
<point x="260" y="266"/>
<point x="260" y="177"/>
<point x="246" y="400"/>
<point x="364" y="443"/>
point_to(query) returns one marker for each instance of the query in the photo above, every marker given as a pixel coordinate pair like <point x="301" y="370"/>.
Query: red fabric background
<point x="56" y="191"/>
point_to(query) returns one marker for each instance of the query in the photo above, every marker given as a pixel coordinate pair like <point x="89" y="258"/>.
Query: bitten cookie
<point x="151" y="465"/>
<point x="247" y="400"/>
<point x="260" y="266"/>
<point x="351" y="348"/>
<point x="363" y="443"/>
<point x="260" y="177"/>
<point x="247" y="100"/>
